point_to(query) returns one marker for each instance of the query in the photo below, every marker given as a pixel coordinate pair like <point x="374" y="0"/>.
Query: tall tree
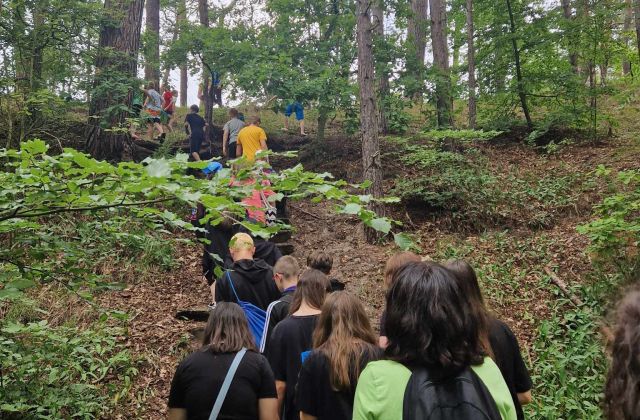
<point x="441" y="62"/>
<point x="471" y="59"/>
<point x="377" y="17"/>
<point x="152" y="38"/>
<point x="568" y="15"/>
<point x="207" y="90"/>
<point x="184" y="77"/>
<point x="628" y="16"/>
<point x="516" y="56"/>
<point x="371" y="161"/>
<point x="115" y="65"/>
<point x="636" y="12"/>
<point x="416" y="45"/>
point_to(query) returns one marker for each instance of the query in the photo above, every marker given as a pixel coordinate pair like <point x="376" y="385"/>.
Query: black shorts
<point x="152" y="120"/>
<point x="169" y="112"/>
<point x="231" y="150"/>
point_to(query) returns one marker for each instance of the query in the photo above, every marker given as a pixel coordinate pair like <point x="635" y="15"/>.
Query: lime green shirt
<point x="380" y="390"/>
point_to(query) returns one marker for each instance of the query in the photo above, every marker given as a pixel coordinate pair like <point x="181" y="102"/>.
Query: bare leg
<point x="213" y="292"/>
<point x="286" y="123"/>
<point x="150" y="131"/>
<point x="302" y="128"/>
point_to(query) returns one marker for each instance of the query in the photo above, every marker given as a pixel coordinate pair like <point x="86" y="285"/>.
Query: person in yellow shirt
<point x="251" y="140"/>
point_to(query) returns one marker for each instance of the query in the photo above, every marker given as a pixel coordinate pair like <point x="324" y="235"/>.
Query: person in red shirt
<point x="169" y="106"/>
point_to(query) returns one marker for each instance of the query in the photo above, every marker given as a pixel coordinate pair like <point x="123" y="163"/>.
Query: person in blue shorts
<point x="294" y="107"/>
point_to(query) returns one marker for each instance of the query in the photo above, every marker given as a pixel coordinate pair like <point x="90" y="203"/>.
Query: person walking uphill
<point x="230" y="134"/>
<point x="195" y="124"/>
<point x="199" y="379"/>
<point x="251" y="140"/>
<point x="252" y="278"/>
<point x="153" y="107"/>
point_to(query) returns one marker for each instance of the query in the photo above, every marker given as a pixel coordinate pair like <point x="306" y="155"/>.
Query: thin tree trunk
<point x="117" y="55"/>
<point x="323" y="114"/>
<point x="441" y="62"/>
<point x="207" y="91"/>
<point x="416" y="44"/>
<point x="377" y="18"/>
<point x="471" y="58"/>
<point x="628" y="16"/>
<point x="371" y="160"/>
<point x="152" y="31"/>
<point x="184" y="77"/>
<point x="573" y="57"/>
<point x="516" y="55"/>
<point x="636" y="11"/>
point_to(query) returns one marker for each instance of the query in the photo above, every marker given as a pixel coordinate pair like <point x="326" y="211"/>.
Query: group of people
<point x="154" y="110"/>
<point x="321" y="359"/>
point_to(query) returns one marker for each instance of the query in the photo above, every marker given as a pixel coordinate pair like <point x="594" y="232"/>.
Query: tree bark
<point x="441" y="62"/>
<point x="207" y="91"/>
<point x="628" y="16"/>
<point x="516" y="55"/>
<point x="377" y="18"/>
<point x="636" y="12"/>
<point x="573" y="56"/>
<point x="184" y="77"/>
<point x="416" y="45"/>
<point x="371" y="160"/>
<point x="152" y="53"/>
<point x="471" y="59"/>
<point x="116" y="57"/>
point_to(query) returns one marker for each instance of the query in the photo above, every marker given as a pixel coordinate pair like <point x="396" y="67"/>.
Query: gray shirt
<point x="155" y="100"/>
<point x="233" y="126"/>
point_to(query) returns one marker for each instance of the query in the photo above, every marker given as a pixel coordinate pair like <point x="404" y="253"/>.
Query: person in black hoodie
<point x="252" y="278"/>
<point x="285" y="274"/>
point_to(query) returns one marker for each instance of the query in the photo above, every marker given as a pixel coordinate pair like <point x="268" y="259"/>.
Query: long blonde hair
<point x="343" y="334"/>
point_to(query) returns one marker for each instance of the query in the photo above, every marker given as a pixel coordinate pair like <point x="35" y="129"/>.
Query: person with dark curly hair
<point x="622" y="389"/>
<point x="431" y="327"/>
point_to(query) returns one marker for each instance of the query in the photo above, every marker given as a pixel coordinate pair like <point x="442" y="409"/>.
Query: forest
<point x="499" y="132"/>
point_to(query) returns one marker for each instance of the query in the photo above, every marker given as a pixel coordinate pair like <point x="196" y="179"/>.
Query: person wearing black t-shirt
<point x="252" y="278"/>
<point x="291" y="341"/>
<point x="198" y="379"/>
<point x="497" y="338"/>
<point x="322" y="261"/>
<point x="344" y="343"/>
<point x="195" y="124"/>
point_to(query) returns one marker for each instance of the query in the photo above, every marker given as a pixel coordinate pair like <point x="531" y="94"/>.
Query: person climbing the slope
<point x="153" y="105"/>
<point x="291" y="108"/>
<point x="251" y="140"/>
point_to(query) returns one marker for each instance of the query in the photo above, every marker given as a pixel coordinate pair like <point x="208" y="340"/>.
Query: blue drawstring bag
<point x="256" y="317"/>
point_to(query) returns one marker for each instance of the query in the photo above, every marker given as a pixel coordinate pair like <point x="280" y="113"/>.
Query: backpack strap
<point x="263" y="341"/>
<point x="232" y="288"/>
<point x="226" y="384"/>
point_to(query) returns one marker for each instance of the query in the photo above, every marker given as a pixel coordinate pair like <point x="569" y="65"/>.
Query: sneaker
<point x="211" y="306"/>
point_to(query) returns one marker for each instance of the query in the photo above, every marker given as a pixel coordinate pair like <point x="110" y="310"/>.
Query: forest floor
<point x="509" y="258"/>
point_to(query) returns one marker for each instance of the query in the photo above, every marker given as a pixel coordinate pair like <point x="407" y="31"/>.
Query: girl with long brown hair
<point x="344" y="343"/>
<point x="199" y="378"/>
<point x="291" y="339"/>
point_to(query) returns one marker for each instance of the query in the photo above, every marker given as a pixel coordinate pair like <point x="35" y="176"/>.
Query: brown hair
<point x="151" y="85"/>
<point x="312" y="288"/>
<point x="321" y="261"/>
<point x="622" y="388"/>
<point x="233" y="113"/>
<point x="287" y="266"/>
<point x="467" y="280"/>
<point x="395" y="262"/>
<point x="343" y="334"/>
<point x="255" y="120"/>
<point x="227" y="330"/>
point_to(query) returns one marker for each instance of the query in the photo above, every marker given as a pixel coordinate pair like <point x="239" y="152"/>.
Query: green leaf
<point x="404" y="241"/>
<point x="158" y="169"/>
<point x="381" y="224"/>
<point x="352" y="208"/>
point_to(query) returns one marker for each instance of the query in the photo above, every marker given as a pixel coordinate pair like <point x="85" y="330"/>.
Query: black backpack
<point x="459" y="397"/>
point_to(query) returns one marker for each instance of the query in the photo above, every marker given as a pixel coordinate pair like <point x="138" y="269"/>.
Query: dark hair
<point x="195" y="108"/>
<point x="395" y="263"/>
<point x="467" y="280"/>
<point x="227" y="329"/>
<point x="151" y="85"/>
<point x="344" y="335"/>
<point x="313" y="287"/>
<point x="321" y="261"/>
<point x="233" y="113"/>
<point x="429" y="322"/>
<point x="622" y="390"/>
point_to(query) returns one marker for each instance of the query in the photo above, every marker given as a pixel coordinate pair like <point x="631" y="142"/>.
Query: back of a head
<point x="241" y="241"/>
<point x="151" y="85"/>
<point x="194" y="108"/>
<point x="429" y="321"/>
<point x="395" y="262"/>
<point x="320" y="261"/>
<point x="255" y="120"/>
<point x="227" y="329"/>
<point x="466" y="278"/>
<point x="287" y="266"/>
<point x="312" y="288"/>
<point x="233" y="113"/>
<point x="343" y="333"/>
<point x="622" y="394"/>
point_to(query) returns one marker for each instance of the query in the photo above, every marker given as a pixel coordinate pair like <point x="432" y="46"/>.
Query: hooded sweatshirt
<point x="253" y="282"/>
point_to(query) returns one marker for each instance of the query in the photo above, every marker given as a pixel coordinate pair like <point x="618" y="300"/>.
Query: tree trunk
<point x="35" y="73"/>
<point x="416" y="45"/>
<point x="207" y="91"/>
<point x="371" y="160"/>
<point x="377" y="17"/>
<point x="116" y="58"/>
<point x="573" y="57"/>
<point x="628" y="16"/>
<point x="471" y="58"/>
<point x="441" y="62"/>
<point x="323" y="115"/>
<point x="152" y="35"/>
<point x="636" y="11"/>
<point x="184" y="77"/>
<point x="516" y="55"/>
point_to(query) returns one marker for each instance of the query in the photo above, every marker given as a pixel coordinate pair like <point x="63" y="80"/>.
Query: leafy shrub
<point x="62" y="372"/>
<point x="398" y="119"/>
<point x="615" y="234"/>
